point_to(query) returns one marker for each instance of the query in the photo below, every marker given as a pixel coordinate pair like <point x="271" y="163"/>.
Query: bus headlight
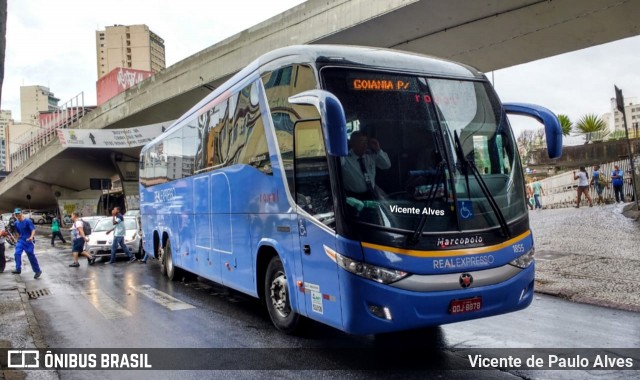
<point x="524" y="260"/>
<point x="371" y="272"/>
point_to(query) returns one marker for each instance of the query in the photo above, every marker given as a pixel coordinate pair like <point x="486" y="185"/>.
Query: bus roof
<point x="372" y="57"/>
<point x="342" y="55"/>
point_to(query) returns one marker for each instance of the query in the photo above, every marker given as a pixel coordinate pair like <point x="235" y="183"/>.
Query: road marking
<point x="162" y="298"/>
<point x="106" y="305"/>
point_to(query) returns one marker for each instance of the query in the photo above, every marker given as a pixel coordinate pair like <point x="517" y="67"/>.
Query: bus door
<point x="316" y="225"/>
<point x="320" y="276"/>
<point x="199" y="261"/>
<point x="222" y="242"/>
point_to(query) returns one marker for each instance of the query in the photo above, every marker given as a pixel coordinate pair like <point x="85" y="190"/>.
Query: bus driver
<point x="359" y="166"/>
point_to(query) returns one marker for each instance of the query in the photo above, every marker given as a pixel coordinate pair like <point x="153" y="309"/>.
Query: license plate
<point x="467" y="305"/>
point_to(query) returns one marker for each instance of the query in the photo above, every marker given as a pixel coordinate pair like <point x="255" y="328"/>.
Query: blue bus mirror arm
<point x="552" y="128"/>
<point x="333" y="121"/>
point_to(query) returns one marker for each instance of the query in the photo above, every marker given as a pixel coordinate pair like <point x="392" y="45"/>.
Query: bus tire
<point x="173" y="273"/>
<point x="163" y="268"/>
<point x="276" y="295"/>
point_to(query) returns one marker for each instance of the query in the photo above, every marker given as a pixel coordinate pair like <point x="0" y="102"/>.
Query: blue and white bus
<point x="248" y="189"/>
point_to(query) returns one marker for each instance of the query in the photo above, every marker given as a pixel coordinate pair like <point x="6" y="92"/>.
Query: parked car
<point x="92" y="220"/>
<point x="38" y="217"/>
<point x="6" y="216"/>
<point x="99" y="243"/>
<point x="136" y="213"/>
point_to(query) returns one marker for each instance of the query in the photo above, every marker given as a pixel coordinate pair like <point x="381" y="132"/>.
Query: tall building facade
<point x="5" y="118"/>
<point x="632" y="112"/>
<point x="33" y="101"/>
<point x="129" y="47"/>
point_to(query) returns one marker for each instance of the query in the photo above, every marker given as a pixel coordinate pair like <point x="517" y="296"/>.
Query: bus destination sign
<point x="382" y="83"/>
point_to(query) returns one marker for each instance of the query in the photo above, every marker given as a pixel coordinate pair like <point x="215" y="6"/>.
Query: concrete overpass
<point x="489" y="35"/>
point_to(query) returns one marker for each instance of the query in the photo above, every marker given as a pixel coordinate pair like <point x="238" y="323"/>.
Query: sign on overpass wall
<point x="117" y="81"/>
<point x="111" y="138"/>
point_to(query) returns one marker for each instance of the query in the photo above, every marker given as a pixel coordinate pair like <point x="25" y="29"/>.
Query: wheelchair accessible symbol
<point x="465" y="209"/>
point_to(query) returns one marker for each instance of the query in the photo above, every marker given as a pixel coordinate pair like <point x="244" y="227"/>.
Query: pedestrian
<point x="144" y="258"/>
<point x="530" y="200"/>
<point x="616" y="182"/>
<point x="55" y="231"/>
<point x="12" y="224"/>
<point x="3" y="233"/>
<point x="583" y="186"/>
<point x="118" y="236"/>
<point x="27" y="232"/>
<point x="597" y="180"/>
<point x="538" y="192"/>
<point x="78" y="241"/>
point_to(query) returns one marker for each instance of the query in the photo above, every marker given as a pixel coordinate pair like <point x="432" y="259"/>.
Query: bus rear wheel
<point x="162" y="256"/>
<point x="277" y="297"/>
<point x="173" y="273"/>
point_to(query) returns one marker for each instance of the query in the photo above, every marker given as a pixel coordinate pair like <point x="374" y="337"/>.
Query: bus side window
<point x="279" y="85"/>
<point x="313" y="188"/>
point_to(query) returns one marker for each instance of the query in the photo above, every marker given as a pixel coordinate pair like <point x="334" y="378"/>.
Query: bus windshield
<point x="403" y="165"/>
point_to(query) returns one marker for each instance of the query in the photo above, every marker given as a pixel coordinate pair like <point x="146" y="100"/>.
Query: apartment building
<point x="5" y="118"/>
<point x="129" y="47"/>
<point x="632" y="113"/>
<point x="35" y="100"/>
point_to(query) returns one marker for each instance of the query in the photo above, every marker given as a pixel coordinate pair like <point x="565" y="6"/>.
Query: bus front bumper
<point x="369" y="307"/>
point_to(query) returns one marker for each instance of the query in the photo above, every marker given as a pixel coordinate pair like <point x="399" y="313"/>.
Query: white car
<point x="99" y="243"/>
<point x="6" y="217"/>
<point x="38" y="217"/>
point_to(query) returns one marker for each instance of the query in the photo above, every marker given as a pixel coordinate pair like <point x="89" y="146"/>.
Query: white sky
<point x="52" y="43"/>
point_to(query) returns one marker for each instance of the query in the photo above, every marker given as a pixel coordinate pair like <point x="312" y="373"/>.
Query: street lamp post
<point x="620" y="107"/>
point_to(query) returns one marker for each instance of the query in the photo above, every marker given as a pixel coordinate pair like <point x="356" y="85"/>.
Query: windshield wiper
<point x="483" y="186"/>
<point x="435" y="185"/>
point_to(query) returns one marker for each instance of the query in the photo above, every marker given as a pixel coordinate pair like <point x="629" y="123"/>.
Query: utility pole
<point x="620" y="107"/>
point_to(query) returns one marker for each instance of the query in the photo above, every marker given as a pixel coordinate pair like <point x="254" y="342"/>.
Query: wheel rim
<point x="279" y="293"/>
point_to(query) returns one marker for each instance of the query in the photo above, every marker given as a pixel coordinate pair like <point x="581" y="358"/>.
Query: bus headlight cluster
<point x="524" y="260"/>
<point x="371" y="272"/>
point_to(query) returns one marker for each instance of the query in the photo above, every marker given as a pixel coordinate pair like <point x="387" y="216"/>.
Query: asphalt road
<point x="133" y="306"/>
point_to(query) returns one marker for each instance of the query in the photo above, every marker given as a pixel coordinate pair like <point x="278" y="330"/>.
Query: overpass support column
<point x="131" y="195"/>
<point x="85" y="201"/>
<point x="128" y="171"/>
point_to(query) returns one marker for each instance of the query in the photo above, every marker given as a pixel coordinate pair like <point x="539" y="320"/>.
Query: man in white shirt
<point x="360" y="165"/>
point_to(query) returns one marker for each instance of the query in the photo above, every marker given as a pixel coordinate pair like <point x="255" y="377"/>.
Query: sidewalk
<point x="589" y="255"/>
<point x="19" y="328"/>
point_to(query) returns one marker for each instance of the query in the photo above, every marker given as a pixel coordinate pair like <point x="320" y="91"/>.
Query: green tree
<point x="525" y="144"/>
<point x="566" y="124"/>
<point x="592" y="127"/>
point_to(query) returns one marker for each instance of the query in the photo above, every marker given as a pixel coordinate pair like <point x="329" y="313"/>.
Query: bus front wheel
<point x="277" y="297"/>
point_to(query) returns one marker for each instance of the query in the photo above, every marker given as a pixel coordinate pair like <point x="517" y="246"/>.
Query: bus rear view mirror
<point x="334" y="126"/>
<point x="552" y="128"/>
